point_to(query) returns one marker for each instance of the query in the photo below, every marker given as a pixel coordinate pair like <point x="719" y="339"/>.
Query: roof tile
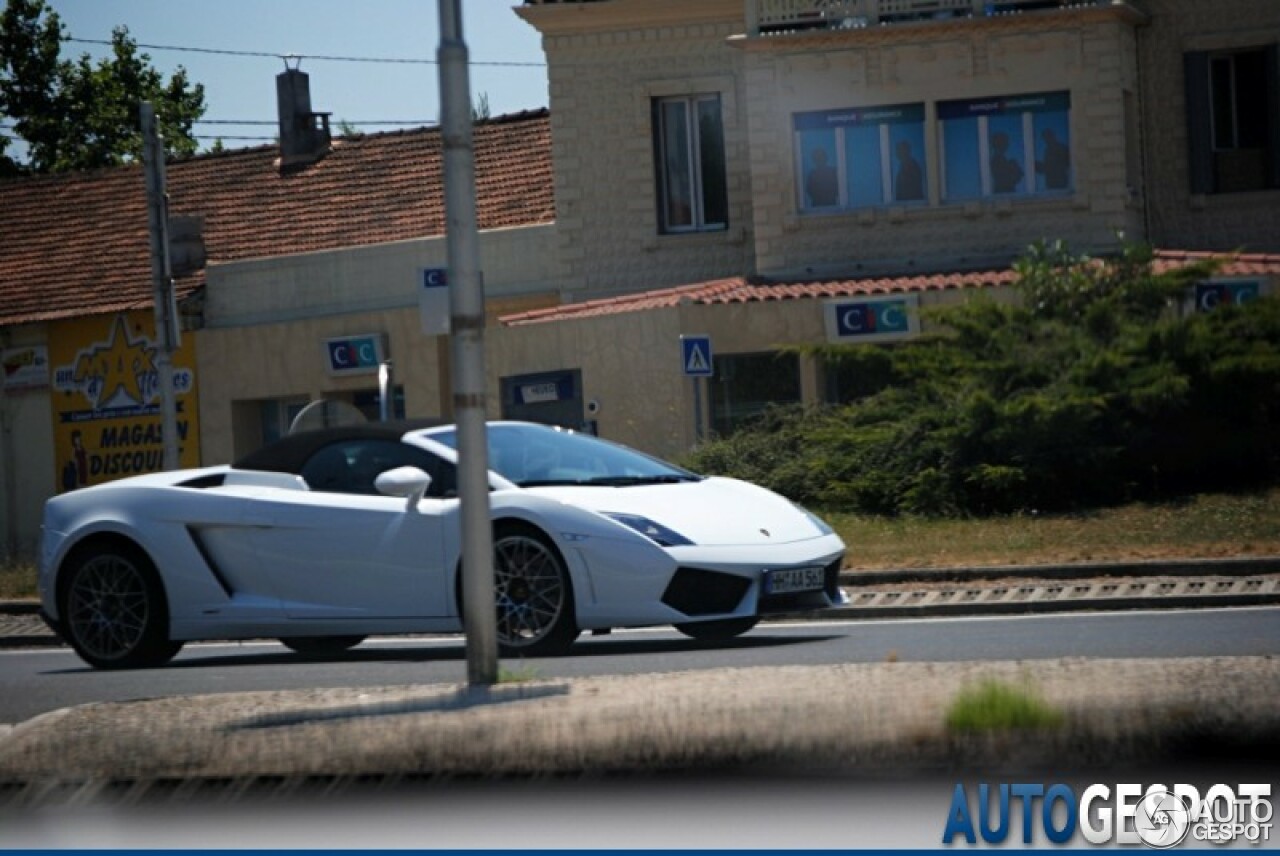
<point x="77" y="243"/>
<point x="745" y="290"/>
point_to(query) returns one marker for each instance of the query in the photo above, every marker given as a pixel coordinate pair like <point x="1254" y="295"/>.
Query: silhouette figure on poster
<point x="1005" y="171"/>
<point x="822" y="185"/>
<point x="908" y="185"/>
<point x="1056" y="166"/>
<point x="76" y="471"/>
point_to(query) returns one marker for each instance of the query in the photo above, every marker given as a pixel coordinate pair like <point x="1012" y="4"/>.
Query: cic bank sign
<point x="854" y="320"/>
<point x="350" y="355"/>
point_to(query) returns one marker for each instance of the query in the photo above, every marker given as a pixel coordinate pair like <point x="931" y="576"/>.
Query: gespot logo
<point x="1157" y="816"/>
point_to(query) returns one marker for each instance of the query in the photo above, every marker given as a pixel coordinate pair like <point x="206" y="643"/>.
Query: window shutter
<point x="1199" y="122"/>
<point x="1273" y="115"/>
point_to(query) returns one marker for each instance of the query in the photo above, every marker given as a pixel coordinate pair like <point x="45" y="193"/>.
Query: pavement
<point x="850" y="719"/>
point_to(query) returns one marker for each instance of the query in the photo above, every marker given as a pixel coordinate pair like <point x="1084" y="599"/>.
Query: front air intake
<point x="699" y="592"/>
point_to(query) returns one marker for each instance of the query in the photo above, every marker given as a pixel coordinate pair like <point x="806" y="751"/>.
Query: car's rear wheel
<point x="321" y="646"/>
<point x="532" y="592"/>
<point x="113" y="608"/>
<point x="718" y="631"/>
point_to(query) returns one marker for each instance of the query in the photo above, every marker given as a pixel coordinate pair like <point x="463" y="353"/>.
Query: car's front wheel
<point x="321" y="646"/>
<point x="718" y="631"/>
<point x="114" y="612"/>
<point x="533" y="594"/>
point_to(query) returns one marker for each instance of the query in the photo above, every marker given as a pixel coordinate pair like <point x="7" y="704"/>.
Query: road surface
<point x="34" y="681"/>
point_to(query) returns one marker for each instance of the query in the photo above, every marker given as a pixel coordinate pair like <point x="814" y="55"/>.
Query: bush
<point x="1089" y="391"/>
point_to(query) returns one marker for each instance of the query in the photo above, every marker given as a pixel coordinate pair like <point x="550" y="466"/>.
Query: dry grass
<point x="17" y="580"/>
<point x="1210" y="526"/>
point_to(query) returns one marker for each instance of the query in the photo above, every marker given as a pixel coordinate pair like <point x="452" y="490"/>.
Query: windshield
<point x="533" y="455"/>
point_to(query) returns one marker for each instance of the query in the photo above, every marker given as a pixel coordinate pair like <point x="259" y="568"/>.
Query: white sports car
<point x="329" y="536"/>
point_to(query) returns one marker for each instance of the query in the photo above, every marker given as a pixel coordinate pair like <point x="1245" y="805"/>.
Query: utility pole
<point x="466" y="312"/>
<point x="168" y="336"/>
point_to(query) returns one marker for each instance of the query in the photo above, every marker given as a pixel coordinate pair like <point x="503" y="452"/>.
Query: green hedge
<point x="1092" y="389"/>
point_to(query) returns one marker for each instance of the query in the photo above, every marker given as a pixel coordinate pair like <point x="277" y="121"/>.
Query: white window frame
<point x="693" y="152"/>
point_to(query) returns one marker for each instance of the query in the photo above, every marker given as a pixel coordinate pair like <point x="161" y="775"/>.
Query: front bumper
<point x="703" y="592"/>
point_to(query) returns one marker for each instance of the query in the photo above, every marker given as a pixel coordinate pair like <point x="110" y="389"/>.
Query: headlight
<point x="655" y="532"/>
<point x="823" y="528"/>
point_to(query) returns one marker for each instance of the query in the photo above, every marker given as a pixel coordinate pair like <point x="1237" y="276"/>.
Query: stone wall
<point x="1180" y="219"/>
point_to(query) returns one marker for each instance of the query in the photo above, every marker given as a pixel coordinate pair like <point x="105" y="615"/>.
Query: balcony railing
<point x="787" y="16"/>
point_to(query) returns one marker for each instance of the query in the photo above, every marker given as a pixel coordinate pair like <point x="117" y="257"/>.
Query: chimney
<point x="304" y="135"/>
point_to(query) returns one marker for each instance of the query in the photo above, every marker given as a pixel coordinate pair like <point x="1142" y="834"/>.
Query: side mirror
<point x="409" y="482"/>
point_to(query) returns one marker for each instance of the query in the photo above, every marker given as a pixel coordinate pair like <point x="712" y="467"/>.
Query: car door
<point x="341" y="550"/>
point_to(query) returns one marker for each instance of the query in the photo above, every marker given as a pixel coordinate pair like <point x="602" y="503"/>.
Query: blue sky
<point x="244" y="87"/>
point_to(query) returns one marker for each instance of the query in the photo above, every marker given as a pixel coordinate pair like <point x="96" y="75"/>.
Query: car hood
<point x="710" y="512"/>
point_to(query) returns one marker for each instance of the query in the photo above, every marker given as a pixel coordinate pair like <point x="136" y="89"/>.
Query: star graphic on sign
<point x="121" y="365"/>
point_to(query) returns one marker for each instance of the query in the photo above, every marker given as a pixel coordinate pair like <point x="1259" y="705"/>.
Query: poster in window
<point x="863" y="157"/>
<point x="1006" y="146"/>
<point x="820" y="187"/>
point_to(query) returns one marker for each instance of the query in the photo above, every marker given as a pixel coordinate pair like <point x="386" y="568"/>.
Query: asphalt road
<point x="36" y="681"/>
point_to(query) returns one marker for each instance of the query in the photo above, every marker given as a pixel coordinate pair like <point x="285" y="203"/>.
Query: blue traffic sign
<point x="695" y="353"/>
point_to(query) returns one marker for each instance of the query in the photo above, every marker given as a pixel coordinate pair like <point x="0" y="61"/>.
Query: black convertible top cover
<point x="289" y="454"/>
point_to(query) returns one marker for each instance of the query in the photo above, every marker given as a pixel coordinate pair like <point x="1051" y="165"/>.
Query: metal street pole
<point x="466" y="311"/>
<point x="386" y="392"/>
<point x="168" y="337"/>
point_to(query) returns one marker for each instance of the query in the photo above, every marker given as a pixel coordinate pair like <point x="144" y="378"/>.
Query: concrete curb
<point x="944" y="610"/>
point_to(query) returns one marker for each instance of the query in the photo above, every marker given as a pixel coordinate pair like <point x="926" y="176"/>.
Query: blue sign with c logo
<point x="864" y="319"/>
<point x="359" y="353"/>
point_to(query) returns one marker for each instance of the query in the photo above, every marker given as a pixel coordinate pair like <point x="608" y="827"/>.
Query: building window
<point x="859" y="158"/>
<point x="277" y="415"/>
<point x="1233" y="114"/>
<point x="1006" y="146"/>
<point x="744" y="385"/>
<point x="369" y="402"/>
<point x="689" y="146"/>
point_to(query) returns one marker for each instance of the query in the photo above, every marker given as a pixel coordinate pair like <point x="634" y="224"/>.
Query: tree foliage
<point x="1091" y="388"/>
<point x="78" y="114"/>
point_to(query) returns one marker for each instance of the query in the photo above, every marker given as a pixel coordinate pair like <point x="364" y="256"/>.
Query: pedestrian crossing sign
<point x="696" y="355"/>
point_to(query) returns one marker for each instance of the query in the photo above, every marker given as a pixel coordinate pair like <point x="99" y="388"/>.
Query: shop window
<point x="277" y="414"/>
<point x="859" y="158"/>
<point x="862" y="374"/>
<point x="689" y="148"/>
<point x="1006" y="147"/>
<point x="369" y="402"/>
<point x="1233" y="116"/>
<point x="745" y="385"/>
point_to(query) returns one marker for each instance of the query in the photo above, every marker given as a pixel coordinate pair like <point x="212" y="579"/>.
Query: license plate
<point x="787" y="580"/>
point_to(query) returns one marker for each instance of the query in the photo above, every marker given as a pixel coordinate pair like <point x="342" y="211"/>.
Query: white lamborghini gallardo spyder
<point x="326" y="537"/>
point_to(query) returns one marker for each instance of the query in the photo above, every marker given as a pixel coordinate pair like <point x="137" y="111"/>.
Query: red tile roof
<point x="759" y="289"/>
<point x="1236" y="264"/>
<point x="76" y="243"/>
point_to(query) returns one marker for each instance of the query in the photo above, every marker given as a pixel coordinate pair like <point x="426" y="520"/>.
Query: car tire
<point x="114" y="610"/>
<point x="718" y="631"/>
<point x="533" y="594"/>
<point x="321" y="646"/>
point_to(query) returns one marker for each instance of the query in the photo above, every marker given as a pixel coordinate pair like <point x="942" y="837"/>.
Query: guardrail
<point x="782" y="16"/>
